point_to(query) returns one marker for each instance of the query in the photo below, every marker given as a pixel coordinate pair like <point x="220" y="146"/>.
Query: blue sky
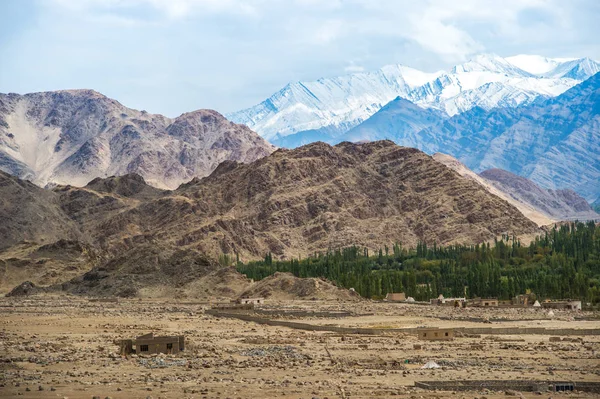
<point x="174" y="56"/>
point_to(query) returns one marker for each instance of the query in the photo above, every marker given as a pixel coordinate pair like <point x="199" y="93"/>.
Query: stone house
<point x="483" y="302"/>
<point x="149" y="344"/>
<point x="565" y="305"/>
<point x="435" y="334"/>
<point x="395" y="296"/>
<point x="255" y="301"/>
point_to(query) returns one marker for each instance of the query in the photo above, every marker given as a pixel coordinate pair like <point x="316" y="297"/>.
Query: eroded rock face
<point x="295" y="202"/>
<point x="74" y="136"/>
<point x="291" y="203"/>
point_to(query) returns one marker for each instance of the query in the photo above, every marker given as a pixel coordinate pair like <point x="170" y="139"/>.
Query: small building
<point x="395" y="296"/>
<point x="149" y="344"/>
<point x="563" y="305"/>
<point x="455" y="302"/>
<point x="256" y="301"/>
<point x="483" y="302"/>
<point x="435" y="334"/>
<point x="523" y="300"/>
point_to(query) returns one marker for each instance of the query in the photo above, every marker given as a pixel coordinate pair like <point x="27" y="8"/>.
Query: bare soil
<point x="63" y="346"/>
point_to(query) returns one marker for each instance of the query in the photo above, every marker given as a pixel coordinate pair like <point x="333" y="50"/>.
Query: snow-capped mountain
<point x="554" y="142"/>
<point x="325" y="109"/>
<point x="572" y="68"/>
<point x="339" y="103"/>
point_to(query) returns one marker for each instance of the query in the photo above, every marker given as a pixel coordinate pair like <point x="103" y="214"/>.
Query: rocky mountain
<point x="554" y="142"/>
<point x="558" y="204"/>
<point x="74" y="136"/>
<point x="30" y="213"/>
<point x="325" y="109"/>
<point x="540" y="205"/>
<point x="291" y="203"/>
<point x="528" y="210"/>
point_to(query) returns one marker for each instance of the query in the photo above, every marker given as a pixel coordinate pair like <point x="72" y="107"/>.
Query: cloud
<point x="173" y="9"/>
<point x="352" y="68"/>
<point x="171" y="56"/>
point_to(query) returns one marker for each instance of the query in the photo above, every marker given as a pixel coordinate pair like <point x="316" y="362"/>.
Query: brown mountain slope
<point x="558" y="204"/>
<point x="316" y="197"/>
<point x="286" y="286"/>
<point x="296" y="202"/>
<point x="529" y="210"/>
<point x="28" y="212"/>
<point x="74" y="136"/>
<point x="291" y="203"/>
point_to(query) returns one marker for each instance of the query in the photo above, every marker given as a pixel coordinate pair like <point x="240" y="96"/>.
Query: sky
<point x="175" y="56"/>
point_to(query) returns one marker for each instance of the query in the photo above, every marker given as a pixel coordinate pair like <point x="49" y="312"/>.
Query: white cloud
<point x="171" y="8"/>
<point x="354" y="69"/>
<point x="230" y="54"/>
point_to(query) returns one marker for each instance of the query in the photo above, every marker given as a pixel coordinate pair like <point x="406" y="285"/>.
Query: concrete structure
<point x="455" y="302"/>
<point x="517" y="385"/>
<point x="256" y="301"/>
<point x="483" y="302"/>
<point x="149" y="344"/>
<point x="564" y="305"/>
<point x="395" y="296"/>
<point x="523" y="300"/>
<point x="436" y="334"/>
<point x="233" y="306"/>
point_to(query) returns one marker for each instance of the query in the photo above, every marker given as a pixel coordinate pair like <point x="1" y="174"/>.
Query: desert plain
<point x="63" y="346"/>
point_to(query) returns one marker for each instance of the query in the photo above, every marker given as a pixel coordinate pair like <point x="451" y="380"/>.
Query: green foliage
<point x="564" y="263"/>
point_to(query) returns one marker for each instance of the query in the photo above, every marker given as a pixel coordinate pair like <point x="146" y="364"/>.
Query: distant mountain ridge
<point x="558" y="204"/>
<point x="555" y="142"/>
<point x="74" y="136"/>
<point x="327" y="108"/>
<point x="542" y="206"/>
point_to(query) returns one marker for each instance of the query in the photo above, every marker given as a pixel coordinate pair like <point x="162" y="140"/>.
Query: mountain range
<point x="555" y="142"/>
<point x="74" y="136"/>
<point x="327" y="108"/>
<point x="542" y="206"/>
<point x="119" y="232"/>
<point x="551" y="139"/>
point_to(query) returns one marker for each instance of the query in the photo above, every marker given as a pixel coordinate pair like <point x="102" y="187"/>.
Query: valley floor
<point x="65" y="347"/>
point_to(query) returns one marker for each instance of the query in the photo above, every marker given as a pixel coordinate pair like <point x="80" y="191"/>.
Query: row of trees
<point x="563" y="263"/>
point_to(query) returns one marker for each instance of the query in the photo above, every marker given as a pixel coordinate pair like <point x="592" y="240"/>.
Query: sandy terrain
<point x="64" y="346"/>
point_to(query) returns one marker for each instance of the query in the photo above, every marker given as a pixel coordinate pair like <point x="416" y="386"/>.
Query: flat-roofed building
<point x="435" y="334"/>
<point x="483" y="302"/>
<point x="149" y="344"/>
<point x="395" y="296"/>
<point x="256" y="301"/>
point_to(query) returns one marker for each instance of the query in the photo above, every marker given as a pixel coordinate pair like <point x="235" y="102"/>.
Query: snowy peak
<point x="571" y="68"/>
<point x="535" y="64"/>
<point x="490" y="63"/>
<point x="580" y="69"/>
<point x="327" y="108"/>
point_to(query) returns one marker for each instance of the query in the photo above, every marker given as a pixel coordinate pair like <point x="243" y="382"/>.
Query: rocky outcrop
<point x="28" y="212"/>
<point x="286" y="286"/>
